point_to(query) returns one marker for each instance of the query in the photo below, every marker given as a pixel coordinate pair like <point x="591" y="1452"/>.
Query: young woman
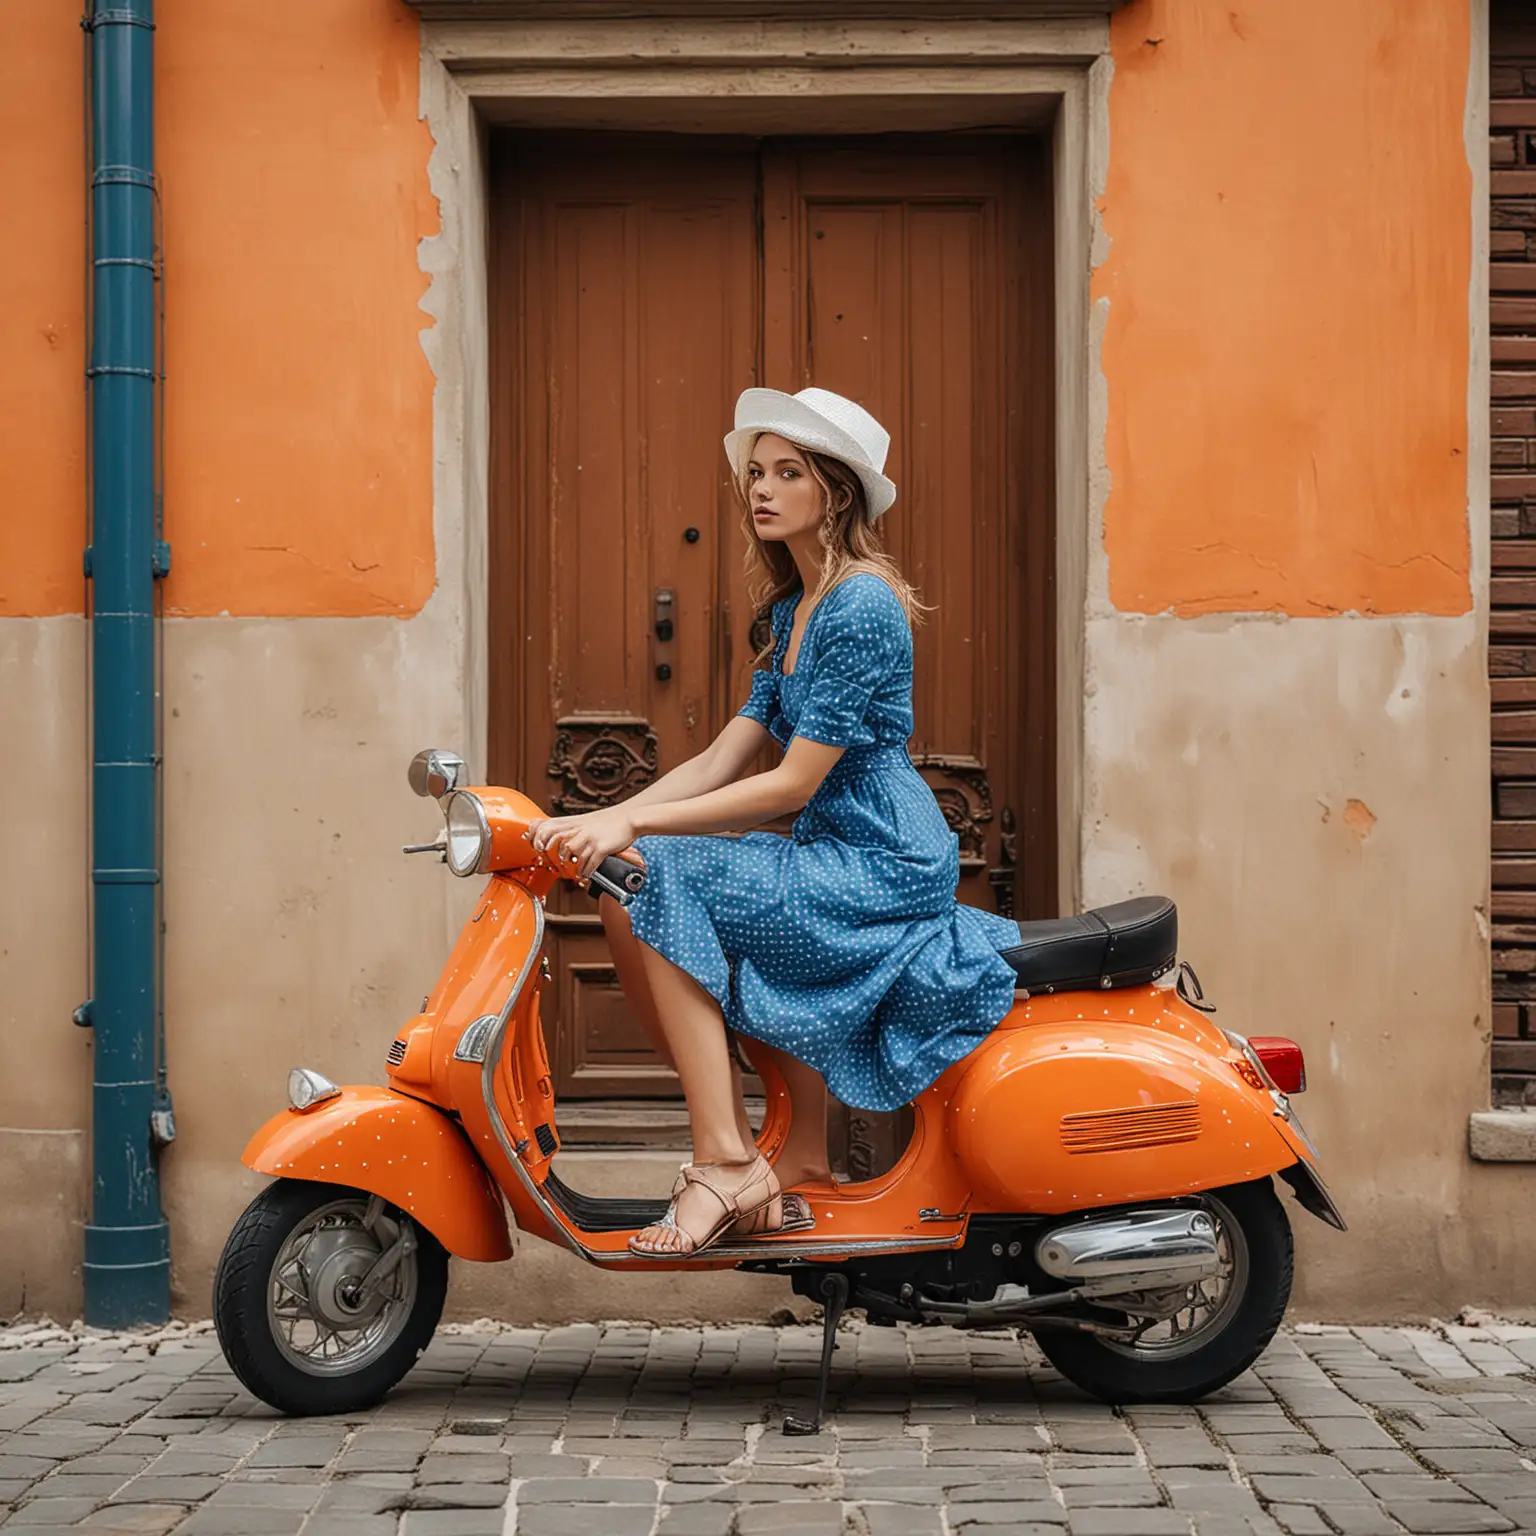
<point x="842" y="946"/>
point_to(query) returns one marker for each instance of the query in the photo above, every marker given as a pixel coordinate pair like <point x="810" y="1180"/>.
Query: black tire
<point x="242" y="1317"/>
<point x="1115" y="1375"/>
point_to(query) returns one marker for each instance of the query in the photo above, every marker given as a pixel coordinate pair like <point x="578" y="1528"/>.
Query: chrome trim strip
<point x="764" y="1249"/>
<point x="767" y="1248"/>
<point x="488" y="1089"/>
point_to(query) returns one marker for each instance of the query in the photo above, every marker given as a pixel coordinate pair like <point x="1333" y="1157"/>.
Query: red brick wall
<point x="1512" y="653"/>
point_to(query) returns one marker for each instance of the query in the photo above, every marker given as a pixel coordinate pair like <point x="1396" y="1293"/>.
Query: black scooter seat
<point x="1126" y="945"/>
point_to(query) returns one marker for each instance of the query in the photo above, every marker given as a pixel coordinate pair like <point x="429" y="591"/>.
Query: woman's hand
<point x="588" y="838"/>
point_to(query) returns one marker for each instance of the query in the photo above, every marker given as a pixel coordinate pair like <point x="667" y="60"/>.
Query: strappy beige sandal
<point x="798" y="1216"/>
<point x="753" y="1210"/>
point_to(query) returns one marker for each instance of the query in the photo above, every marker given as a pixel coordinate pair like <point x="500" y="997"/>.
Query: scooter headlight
<point x="469" y="834"/>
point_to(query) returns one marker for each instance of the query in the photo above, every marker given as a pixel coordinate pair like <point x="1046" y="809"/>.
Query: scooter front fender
<point x="398" y="1148"/>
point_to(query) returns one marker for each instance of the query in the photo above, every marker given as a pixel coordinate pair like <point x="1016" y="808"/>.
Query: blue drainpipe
<point x="127" y="1244"/>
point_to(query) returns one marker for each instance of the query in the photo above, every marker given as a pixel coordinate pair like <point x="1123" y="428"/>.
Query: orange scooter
<point x="1099" y="1171"/>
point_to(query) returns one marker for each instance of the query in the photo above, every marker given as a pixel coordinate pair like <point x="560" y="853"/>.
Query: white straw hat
<point x="819" y="420"/>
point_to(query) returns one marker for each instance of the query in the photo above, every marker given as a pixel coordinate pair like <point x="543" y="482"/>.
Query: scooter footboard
<point x="395" y="1147"/>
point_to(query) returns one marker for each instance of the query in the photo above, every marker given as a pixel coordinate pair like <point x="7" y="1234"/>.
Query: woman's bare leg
<point x="636" y="984"/>
<point x="803" y="1158"/>
<point x="695" y="1033"/>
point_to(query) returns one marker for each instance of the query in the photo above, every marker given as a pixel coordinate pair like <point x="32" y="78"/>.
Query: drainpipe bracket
<point x="160" y="561"/>
<point x="86" y="562"/>
<point x="162" y="1119"/>
<point x="82" y="1014"/>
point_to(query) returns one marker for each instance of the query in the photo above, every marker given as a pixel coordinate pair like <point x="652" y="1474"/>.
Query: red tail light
<point x="1283" y="1061"/>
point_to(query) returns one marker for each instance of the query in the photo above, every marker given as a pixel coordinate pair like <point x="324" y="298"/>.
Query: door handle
<point x="665" y="627"/>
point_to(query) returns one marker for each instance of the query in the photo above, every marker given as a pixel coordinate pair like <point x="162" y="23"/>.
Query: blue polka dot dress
<point x="843" y="943"/>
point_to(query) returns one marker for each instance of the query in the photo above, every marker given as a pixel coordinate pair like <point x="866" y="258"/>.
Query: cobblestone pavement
<point x="626" y="1430"/>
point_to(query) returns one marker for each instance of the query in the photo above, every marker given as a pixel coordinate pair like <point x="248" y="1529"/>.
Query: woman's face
<point x="785" y="497"/>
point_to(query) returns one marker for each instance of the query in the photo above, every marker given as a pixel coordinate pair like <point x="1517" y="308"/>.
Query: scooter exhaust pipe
<point x="1136" y="1251"/>
<point x="1101" y="1258"/>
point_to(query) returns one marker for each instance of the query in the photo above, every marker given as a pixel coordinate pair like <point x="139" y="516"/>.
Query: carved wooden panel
<point x="961" y="787"/>
<point x="599" y="761"/>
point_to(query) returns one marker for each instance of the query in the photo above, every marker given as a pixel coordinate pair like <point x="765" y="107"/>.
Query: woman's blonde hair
<point x="848" y="539"/>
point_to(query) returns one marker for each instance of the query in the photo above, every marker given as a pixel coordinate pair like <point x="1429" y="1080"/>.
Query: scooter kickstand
<point x="834" y="1298"/>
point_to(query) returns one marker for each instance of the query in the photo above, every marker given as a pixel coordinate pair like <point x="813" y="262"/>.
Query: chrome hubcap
<point x="331" y="1313"/>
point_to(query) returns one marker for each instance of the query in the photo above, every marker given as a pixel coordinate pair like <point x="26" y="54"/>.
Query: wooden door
<point x="639" y="286"/>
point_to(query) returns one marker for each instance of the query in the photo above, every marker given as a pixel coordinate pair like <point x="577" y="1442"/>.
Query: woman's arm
<point x="734" y="807"/>
<point x="726" y="758"/>
<point x="747" y="803"/>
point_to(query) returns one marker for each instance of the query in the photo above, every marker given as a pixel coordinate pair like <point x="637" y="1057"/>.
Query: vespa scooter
<point x="1099" y="1171"/>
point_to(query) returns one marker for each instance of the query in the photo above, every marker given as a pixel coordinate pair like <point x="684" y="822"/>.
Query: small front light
<point x="469" y="834"/>
<point x="307" y="1088"/>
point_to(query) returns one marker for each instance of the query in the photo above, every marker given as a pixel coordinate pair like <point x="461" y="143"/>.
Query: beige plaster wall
<point x="45" y="1093"/>
<point x="1314" y="794"/>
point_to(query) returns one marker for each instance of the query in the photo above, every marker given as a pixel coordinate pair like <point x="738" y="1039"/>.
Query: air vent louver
<point x="1123" y="1130"/>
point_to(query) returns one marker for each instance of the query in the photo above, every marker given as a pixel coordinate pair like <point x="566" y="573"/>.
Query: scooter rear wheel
<point x="1224" y="1330"/>
<point x="299" y="1323"/>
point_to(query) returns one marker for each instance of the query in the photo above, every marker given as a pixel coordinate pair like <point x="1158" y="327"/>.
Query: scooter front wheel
<point x="325" y="1296"/>
<point x="1220" y="1327"/>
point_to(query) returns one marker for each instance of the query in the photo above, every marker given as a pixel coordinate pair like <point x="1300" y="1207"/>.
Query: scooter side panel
<point x="1073" y="1115"/>
<point x="396" y="1147"/>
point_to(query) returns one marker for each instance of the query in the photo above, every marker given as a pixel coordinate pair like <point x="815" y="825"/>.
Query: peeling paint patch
<point x="1359" y="818"/>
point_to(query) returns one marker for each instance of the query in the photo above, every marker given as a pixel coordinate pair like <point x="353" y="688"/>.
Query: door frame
<point x="768" y="78"/>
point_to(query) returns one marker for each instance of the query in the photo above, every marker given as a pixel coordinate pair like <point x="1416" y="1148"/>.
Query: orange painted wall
<point x="42" y="312"/>
<point x="1288" y="207"/>
<point x="298" y="399"/>
<point x="1286" y="350"/>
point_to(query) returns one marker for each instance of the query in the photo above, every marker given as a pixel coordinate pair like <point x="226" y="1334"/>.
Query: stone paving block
<point x="999" y="1490"/>
<point x="802" y="1518"/>
<point x="1363" y="1520"/>
<point x="65" y="1485"/>
<point x="1267" y="1443"/>
<point x="1286" y="1489"/>
<point x="1350" y="1433"/>
<point x="587" y="1490"/>
<point x="134" y="1520"/>
<point x="1496" y="1488"/>
<point x="901" y="1520"/>
<point x="53" y="1511"/>
<point x="1215" y="1499"/>
<point x="375" y="1449"/>
<point x="1130" y="1522"/>
<point x="314" y="1450"/>
<point x="491" y="1467"/>
<point x="457" y="1522"/>
<point x="352" y="1525"/>
<point x="1041" y="1512"/>
<point x="238" y="1520"/>
<point x="146" y="1489"/>
<point x="1446" y="1519"/>
<point x="1394" y="1460"/>
<point x="698" y="1520"/>
<point x="1180" y="1447"/>
<point x="590" y="1520"/>
<point x="454" y="1496"/>
<point x="1300" y="1520"/>
<point x="1398" y="1485"/>
<point x="1236" y="1525"/>
<point x="300" y="1496"/>
<point x="26" y="1467"/>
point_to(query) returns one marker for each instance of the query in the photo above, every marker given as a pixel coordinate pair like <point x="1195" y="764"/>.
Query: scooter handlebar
<point x="618" y="878"/>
